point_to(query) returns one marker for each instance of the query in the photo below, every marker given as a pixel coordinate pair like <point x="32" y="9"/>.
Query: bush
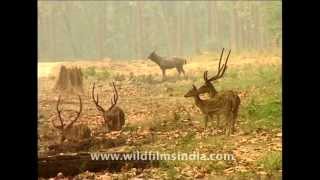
<point x="119" y="77"/>
<point x="103" y="75"/>
<point x="263" y="110"/>
<point x="90" y="71"/>
<point x="94" y="73"/>
<point x="271" y="162"/>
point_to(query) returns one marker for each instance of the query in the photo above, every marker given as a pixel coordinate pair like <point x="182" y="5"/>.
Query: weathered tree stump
<point x="69" y="80"/>
<point x="73" y="164"/>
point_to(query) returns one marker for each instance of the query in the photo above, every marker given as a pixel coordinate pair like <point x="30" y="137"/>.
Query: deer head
<point x="208" y="86"/>
<point x="192" y="92"/>
<point x="107" y="119"/>
<point x="64" y="128"/>
<point x="152" y="54"/>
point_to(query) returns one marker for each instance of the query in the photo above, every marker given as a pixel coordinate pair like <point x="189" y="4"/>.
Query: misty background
<point x="75" y="30"/>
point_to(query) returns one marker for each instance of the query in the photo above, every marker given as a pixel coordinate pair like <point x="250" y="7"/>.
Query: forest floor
<point x="177" y="123"/>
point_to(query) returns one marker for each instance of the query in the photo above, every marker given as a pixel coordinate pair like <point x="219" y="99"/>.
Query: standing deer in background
<point x="114" y="117"/>
<point x="168" y="63"/>
<point x="208" y="87"/>
<point x="214" y="106"/>
<point x="70" y="131"/>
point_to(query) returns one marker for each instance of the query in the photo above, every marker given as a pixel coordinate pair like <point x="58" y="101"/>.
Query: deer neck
<point x="199" y="102"/>
<point x="212" y="91"/>
<point x="157" y="59"/>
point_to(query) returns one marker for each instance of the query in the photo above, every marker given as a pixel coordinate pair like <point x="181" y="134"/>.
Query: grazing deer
<point x="209" y="88"/>
<point x="168" y="63"/>
<point x="70" y="131"/>
<point x="214" y="106"/>
<point x="114" y="117"/>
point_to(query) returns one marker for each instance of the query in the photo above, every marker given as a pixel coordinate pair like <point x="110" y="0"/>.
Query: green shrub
<point x="89" y="72"/>
<point x="103" y="75"/>
<point x="263" y="113"/>
<point x="119" y="77"/>
<point x="271" y="162"/>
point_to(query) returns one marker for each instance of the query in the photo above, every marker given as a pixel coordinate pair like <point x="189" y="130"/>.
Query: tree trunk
<point x="133" y="33"/>
<point x="233" y="29"/>
<point x="166" y="29"/>
<point x="210" y="4"/>
<point x="73" y="164"/>
<point x="214" y="20"/>
<point x="140" y="32"/>
<point x="104" y="29"/>
<point x="194" y="31"/>
<point x="98" y="40"/>
<point x="100" y="29"/>
<point x="53" y="31"/>
<point x="179" y="32"/>
<point x="67" y="24"/>
<point x="219" y="35"/>
<point x="256" y="27"/>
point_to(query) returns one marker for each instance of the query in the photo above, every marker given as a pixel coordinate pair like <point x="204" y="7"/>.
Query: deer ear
<point x="194" y="87"/>
<point x="205" y="75"/>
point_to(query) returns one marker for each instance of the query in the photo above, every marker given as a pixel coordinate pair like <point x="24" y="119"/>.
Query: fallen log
<point x="85" y="145"/>
<point x="73" y="164"/>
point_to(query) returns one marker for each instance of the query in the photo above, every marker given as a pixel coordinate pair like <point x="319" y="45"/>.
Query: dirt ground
<point x="157" y="104"/>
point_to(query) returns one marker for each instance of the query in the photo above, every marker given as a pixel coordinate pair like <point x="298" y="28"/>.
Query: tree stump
<point x="69" y="80"/>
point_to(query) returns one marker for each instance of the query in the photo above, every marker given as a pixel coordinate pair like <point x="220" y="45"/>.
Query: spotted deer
<point x="168" y="63"/>
<point x="209" y="88"/>
<point x="114" y="117"/>
<point x="70" y="131"/>
<point x="219" y="105"/>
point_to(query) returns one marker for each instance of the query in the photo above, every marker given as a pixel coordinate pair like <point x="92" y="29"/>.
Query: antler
<point x="59" y="116"/>
<point x="115" y="97"/>
<point x="62" y="125"/>
<point x="78" y="114"/>
<point x="96" y="101"/>
<point x="205" y="76"/>
<point x="221" y="70"/>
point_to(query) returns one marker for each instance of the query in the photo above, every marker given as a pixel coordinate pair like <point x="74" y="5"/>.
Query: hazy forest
<point x="164" y="77"/>
<point x="131" y="29"/>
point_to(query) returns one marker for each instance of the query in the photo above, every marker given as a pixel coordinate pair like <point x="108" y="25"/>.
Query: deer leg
<point x="163" y="74"/>
<point x="178" y="70"/>
<point x="235" y="113"/>
<point x="230" y="122"/>
<point x="218" y="120"/>
<point x="182" y="70"/>
<point x="233" y="124"/>
<point x="205" y="121"/>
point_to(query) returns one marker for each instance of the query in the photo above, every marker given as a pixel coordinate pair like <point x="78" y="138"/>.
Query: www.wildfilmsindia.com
<point x="144" y="156"/>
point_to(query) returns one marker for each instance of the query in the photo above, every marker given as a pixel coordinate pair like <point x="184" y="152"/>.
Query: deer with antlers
<point x="168" y="63"/>
<point x="114" y="117"/>
<point x="230" y="98"/>
<point x="209" y="88"/>
<point x="218" y="105"/>
<point x="70" y="131"/>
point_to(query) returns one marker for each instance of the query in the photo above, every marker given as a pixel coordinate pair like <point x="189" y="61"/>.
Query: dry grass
<point x="148" y="102"/>
<point x="139" y="67"/>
